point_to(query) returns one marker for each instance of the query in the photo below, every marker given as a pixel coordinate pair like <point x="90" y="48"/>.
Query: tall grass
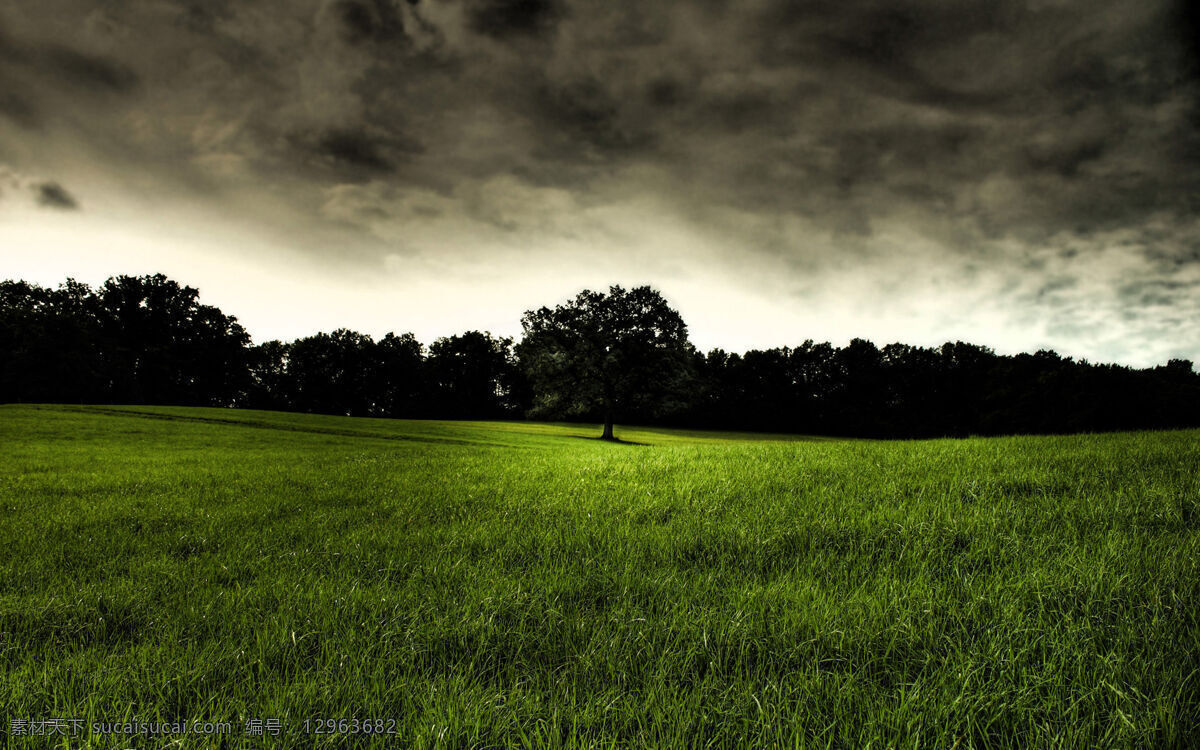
<point x="516" y="585"/>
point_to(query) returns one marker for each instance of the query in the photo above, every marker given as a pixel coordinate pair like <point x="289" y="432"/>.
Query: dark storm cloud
<point x="72" y="67"/>
<point x="89" y="71"/>
<point x="19" y="110"/>
<point x="353" y="148"/>
<point x="53" y="195"/>
<point x="44" y="193"/>
<point x="1052" y="98"/>
<point x="510" y="18"/>
<point x="582" y="120"/>
<point x="368" y="20"/>
<point x="357" y="150"/>
<point x="769" y="106"/>
<point x="875" y="45"/>
<point x="1189" y="34"/>
<point x="1066" y="160"/>
<point x="1157" y="291"/>
<point x="202" y="16"/>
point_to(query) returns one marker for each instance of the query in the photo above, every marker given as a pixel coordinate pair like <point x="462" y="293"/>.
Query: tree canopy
<point x="136" y="339"/>
<point x="624" y="349"/>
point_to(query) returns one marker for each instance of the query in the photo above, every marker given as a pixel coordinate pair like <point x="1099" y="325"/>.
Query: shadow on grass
<point x="615" y="441"/>
<point x="261" y="425"/>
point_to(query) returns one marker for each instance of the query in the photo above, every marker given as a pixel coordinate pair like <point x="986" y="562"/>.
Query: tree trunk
<point x="608" y="421"/>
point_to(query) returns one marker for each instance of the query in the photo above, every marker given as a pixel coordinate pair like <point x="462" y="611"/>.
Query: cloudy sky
<point x="1019" y="173"/>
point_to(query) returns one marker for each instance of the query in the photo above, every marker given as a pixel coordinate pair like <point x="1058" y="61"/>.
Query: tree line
<point x="600" y="357"/>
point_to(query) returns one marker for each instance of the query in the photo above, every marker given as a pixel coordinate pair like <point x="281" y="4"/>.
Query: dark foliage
<point x="624" y="351"/>
<point x="955" y="390"/>
<point x="473" y="376"/>
<point x="149" y="340"/>
<point x="134" y="340"/>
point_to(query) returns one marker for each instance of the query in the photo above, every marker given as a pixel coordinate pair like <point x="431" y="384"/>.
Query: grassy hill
<point x="511" y="584"/>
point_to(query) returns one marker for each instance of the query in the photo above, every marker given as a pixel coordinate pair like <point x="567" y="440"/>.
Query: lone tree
<point x="624" y="350"/>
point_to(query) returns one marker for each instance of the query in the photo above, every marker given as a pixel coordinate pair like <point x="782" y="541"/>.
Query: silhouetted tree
<point x="470" y="376"/>
<point x="332" y="373"/>
<point x="51" y="348"/>
<point x="621" y="351"/>
<point x="858" y="392"/>
<point x="399" y="383"/>
<point x="163" y="347"/>
<point x="270" y="384"/>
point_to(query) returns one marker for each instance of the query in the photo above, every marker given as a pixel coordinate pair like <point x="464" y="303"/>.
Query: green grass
<point x="516" y="585"/>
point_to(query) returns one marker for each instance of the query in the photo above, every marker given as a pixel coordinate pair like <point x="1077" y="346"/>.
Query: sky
<point x="1023" y="174"/>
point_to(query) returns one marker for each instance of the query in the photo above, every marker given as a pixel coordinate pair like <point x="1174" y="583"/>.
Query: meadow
<point x="478" y="585"/>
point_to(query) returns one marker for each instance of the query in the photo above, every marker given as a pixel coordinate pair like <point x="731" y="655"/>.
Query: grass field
<point x="509" y="584"/>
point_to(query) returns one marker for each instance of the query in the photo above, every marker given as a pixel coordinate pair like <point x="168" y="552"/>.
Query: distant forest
<point x="149" y="340"/>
